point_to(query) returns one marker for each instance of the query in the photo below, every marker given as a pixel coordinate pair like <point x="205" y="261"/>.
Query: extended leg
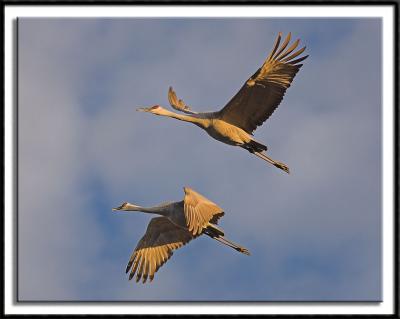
<point x="271" y="161"/>
<point x="237" y="247"/>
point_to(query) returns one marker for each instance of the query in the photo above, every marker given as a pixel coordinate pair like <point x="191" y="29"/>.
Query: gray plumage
<point x="258" y="98"/>
<point x="180" y="222"/>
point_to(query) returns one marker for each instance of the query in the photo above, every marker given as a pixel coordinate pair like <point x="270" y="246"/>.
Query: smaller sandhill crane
<point x="250" y="107"/>
<point x="180" y="222"/>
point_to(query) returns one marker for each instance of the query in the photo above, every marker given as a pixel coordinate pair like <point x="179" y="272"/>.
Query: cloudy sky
<point x="314" y="235"/>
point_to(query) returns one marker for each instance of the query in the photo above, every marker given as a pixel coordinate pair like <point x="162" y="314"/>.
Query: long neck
<point x="186" y="118"/>
<point x="160" y="210"/>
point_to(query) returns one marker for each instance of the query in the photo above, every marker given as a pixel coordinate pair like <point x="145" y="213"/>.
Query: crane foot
<point x="282" y="167"/>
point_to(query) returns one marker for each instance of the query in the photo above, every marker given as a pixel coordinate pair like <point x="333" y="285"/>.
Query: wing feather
<point x="264" y="90"/>
<point x="299" y="60"/>
<point x="284" y="45"/>
<point x="140" y="270"/>
<point x="153" y="250"/>
<point x="288" y="51"/>
<point x="178" y="104"/>
<point x="290" y="57"/>
<point x="199" y="211"/>
<point x="135" y="266"/>
<point x="276" y="45"/>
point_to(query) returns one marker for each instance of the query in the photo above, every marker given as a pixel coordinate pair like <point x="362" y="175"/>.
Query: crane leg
<point x="271" y="161"/>
<point x="216" y="235"/>
<point x="227" y="242"/>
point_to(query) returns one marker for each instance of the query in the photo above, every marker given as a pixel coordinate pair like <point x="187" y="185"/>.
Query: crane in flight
<point x="180" y="222"/>
<point x="250" y="107"/>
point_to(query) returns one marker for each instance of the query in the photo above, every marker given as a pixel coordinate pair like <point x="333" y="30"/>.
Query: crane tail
<point x="254" y="146"/>
<point x="279" y="165"/>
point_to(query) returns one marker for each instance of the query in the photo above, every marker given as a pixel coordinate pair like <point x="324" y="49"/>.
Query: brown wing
<point x="162" y="237"/>
<point x="199" y="211"/>
<point x="178" y="104"/>
<point x="263" y="91"/>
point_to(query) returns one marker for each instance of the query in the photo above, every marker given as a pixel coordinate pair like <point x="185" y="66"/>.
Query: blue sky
<point x="313" y="235"/>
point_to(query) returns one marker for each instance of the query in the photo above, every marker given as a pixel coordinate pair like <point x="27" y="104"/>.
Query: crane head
<point x="121" y="207"/>
<point x="127" y="206"/>
<point x="156" y="109"/>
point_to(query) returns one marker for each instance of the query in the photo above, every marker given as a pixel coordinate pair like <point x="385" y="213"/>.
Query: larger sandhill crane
<point x="180" y="222"/>
<point x="250" y="107"/>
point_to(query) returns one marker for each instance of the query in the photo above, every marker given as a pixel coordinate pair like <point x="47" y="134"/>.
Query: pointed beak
<point x="121" y="207"/>
<point x="142" y="109"/>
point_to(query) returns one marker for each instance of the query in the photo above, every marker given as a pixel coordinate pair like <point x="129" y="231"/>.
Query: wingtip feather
<point x="294" y="62"/>
<point x="276" y="45"/>
<point x="283" y="46"/>
<point x="288" y="51"/>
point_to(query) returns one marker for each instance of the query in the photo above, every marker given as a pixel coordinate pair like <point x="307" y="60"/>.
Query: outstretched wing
<point x="264" y="90"/>
<point x="178" y="104"/>
<point x="199" y="211"/>
<point x="162" y="237"/>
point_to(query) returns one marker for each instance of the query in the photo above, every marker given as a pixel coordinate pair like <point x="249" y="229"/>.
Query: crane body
<point x="179" y="222"/>
<point x="252" y="105"/>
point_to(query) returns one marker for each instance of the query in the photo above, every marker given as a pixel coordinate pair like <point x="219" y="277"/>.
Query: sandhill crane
<point x="180" y="222"/>
<point x="250" y="107"/>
